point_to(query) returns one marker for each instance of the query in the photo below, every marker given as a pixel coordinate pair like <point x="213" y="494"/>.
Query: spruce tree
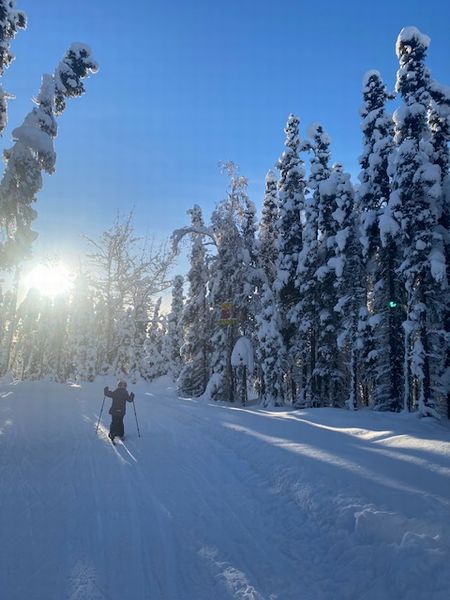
<point x="175" y="328"/>
<point x="232" y="279"/>
<point x="383" y="346"/>
<point x="195" y="320"/>
<point x="350" y="287"/>
<point x="270" y="348"/>
<point x="156" y="359"/>
<point x="327" y="369"/>
<point x="33" y="153"/>
<point x="267" y="240"/>
<point x="291" y="202"/>
<point x="226" y="288"/>
<point x="308" y="264"/>
<point x="439" y="122"/>
<point x="415" y="199"/>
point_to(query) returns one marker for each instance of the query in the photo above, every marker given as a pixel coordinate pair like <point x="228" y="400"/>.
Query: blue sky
<point x="184" y="85"/>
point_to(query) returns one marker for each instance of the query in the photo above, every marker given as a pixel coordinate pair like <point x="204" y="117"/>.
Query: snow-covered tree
<point x="23" y="358"/>
<point x="81" y="351"/>
<point x="37" y="367"/>
<point x="10" y="21"/>
<point x="291" y="203"/>
<point x="267" y="235"/>
<point x="140" y="316"/>
<point x="196" y="321"/>
<point x="9" y="322"/>
<point x="350" y="286"/>
<point x="291" y="186"/>
<point x="54" y="334"/>
<point x="270" y="348"/>
<point x="110" y="267"/>
<point x="378" y="131"/>
<point x="308" y="309"/>
<point x="439" y="122"/>
<point x="327" y="370"/>
<point x="383" y="342"/>
<point x="33" y="152"/>
<point x="175" y="328"/>
<point x="127" y="272"/>
<point x="125" y="348"/>
<point x="414" y="203"/>
<point x="232" y="279"/>
<point x="226" y="287"/>
<point x="155" y="357"/>
<point x="239" y="213"/>
<point x="242" y="362"/>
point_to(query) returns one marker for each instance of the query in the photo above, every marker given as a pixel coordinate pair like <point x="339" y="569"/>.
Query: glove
<point x="132" y="396"/>
<point x="105" y="390"/>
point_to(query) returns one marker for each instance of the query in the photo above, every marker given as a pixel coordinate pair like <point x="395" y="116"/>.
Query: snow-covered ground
<point x="216" y="502"/>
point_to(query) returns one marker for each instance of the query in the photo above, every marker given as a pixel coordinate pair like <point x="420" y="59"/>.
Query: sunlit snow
<point x="218" y="501"/>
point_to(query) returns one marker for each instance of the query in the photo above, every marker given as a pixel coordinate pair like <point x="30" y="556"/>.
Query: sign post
<point x="226" y="314"/>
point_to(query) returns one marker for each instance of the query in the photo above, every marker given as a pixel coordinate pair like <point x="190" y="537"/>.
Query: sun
<point x="49" y="280"/>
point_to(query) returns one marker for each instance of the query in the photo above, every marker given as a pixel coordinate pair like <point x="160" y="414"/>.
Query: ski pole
<point x="137" y="424"/>
<point x="100" y="416"/>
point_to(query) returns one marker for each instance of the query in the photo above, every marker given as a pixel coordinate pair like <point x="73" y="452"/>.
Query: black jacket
<point x="120" y="397"/>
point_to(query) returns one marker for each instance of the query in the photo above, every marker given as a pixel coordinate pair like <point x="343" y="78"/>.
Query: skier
<point x="120" y="397"/>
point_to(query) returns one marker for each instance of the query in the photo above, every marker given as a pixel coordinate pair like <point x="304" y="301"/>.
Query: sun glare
<point x="49" y="280"/>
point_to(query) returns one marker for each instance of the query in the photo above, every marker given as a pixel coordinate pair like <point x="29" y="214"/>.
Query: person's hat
<point x="122" y="383"/>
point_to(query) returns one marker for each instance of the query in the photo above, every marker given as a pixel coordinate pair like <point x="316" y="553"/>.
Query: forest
<point x="335" y="295"/>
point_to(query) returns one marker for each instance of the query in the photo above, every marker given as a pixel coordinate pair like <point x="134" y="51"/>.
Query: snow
<point x="242" y="354"/>
<point x="314" y="129"/>
<point x="437" y="264"/>
<point x="411" y="34"/>
<point x="271" y="177"/>
<point x="342" y="236"/>
<point x="368" y="76"/>
<point x="218" y="501"/>
<point x="337" y="263"/>
<point x="34" y="138"/>
<point x="327" y="187"/>
<point x="387" y="224"/>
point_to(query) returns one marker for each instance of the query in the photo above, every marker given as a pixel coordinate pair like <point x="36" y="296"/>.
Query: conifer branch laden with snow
<point x="33" y="152"/>
<point x="11" y="20"/>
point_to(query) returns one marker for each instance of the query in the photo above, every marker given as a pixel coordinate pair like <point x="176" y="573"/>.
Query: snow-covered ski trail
<point x="218" y="501"/>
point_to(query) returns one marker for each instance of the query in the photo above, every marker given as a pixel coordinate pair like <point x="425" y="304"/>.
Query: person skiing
<point x="120" y="397"/>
